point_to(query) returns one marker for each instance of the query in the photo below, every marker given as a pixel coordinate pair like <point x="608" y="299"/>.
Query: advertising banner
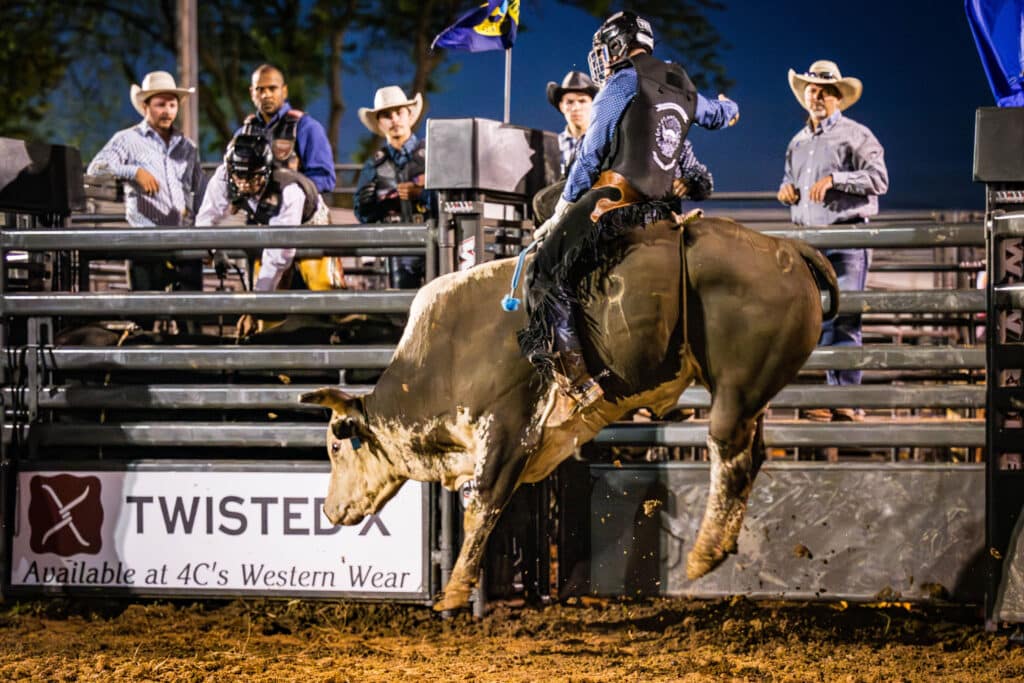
<point x="228" y="529"/>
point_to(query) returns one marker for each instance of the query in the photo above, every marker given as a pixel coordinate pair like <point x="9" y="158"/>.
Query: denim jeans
<point x="852" y="270"/>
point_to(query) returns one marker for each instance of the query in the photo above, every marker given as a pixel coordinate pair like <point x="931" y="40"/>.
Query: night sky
<point x="922" y="83"/>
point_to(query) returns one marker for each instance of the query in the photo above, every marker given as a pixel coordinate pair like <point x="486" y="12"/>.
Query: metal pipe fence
<point x="214" y="363"/>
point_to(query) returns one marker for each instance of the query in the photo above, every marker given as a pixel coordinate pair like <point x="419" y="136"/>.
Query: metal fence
<point x="31" y="385"/>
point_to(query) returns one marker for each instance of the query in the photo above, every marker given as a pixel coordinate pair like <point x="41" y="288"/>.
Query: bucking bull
<point x="728" y="307"/>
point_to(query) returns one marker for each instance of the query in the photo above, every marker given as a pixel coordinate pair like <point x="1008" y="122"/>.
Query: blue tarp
<point x="998" y="28"/>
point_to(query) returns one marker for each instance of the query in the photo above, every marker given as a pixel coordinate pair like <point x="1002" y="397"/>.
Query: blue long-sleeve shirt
<point x="609" y="105"/>
<point x="316" y="158"/>
<point x="174" y="164"/>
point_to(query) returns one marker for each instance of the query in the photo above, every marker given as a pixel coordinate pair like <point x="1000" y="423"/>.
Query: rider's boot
<point x="571" y="373"/>
<point x="574" y="379"/>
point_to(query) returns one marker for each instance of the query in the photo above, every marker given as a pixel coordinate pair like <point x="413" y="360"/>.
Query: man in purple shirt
<point x="630" y="155"/>
<point x="299" y="141"/>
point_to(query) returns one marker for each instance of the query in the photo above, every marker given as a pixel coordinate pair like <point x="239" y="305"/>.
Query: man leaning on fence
<point x="390" y="188"/>
<point x="164" y="183"/>
<point x="249" y="183"/>
<point x="834" y="173"/>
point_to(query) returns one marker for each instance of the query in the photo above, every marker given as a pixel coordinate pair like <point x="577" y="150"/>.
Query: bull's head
<point x="362" y="479"/>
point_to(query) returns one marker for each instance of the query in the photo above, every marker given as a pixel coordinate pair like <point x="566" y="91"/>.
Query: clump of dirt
<point x="592" y="640"/>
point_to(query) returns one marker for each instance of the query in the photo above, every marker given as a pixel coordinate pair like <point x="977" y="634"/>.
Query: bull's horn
<point x="331" y="397"/>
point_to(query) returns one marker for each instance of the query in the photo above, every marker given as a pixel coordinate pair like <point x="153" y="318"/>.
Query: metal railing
<point x="49" y="361"/>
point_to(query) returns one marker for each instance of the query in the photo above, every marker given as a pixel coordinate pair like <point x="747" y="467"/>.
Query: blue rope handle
<point x="509" y="302"/>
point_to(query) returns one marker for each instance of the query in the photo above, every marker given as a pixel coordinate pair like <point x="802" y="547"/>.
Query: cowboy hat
<point x="154" y="83"/>
<point x="390" y="97"/>
<point x="574" y="81"/>
<point x="824" y="72"/>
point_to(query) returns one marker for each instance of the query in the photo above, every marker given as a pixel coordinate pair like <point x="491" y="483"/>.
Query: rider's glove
<point x="560" y="210"/>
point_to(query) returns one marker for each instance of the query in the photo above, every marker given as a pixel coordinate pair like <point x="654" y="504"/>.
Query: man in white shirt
<point x="248" y="182"/>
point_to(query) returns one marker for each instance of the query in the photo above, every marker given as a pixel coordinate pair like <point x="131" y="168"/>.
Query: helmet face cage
<point x="612" y="43"/>
<point x="598" y="62"/>
<point x="249" y="162"/>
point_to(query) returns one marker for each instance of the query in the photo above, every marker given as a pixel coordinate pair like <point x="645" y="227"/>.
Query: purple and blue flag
<point x="998" y="28"/>
<point x="491" y="26"/>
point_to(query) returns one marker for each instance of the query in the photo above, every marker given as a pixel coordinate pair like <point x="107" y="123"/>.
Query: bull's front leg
<point x="498" y="478"/>
<point x="477" y="523"/>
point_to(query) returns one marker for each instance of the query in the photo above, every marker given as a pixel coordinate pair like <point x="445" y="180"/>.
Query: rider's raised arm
<point x="714" y="114"/>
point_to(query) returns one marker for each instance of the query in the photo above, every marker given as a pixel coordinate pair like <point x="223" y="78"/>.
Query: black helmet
<point x="249" y="158"/>
<point x="620" y="33"/>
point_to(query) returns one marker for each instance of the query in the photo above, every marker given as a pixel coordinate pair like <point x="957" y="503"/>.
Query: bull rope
<point x="682" y="222"/>
<point x="509" y="302"/>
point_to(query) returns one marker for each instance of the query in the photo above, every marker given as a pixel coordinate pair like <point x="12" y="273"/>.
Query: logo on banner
<point x="467" y="253"/>
<point x="65" y="515"/>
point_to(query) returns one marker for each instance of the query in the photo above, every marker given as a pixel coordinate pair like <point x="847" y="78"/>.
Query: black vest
<point x="649" y="138"/>
<point x="282" y="137"/>
<point x="270" y="201"/>
<point x="389" y="175"/>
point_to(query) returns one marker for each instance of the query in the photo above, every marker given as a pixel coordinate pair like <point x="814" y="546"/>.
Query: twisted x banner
<point x="262" y="532"/>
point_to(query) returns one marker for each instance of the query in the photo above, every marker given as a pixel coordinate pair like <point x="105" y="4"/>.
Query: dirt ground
<point x="658" y="640"/>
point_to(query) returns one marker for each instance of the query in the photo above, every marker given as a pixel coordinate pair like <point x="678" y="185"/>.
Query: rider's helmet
<point x="249" y="161"/>
<point x="618" y="35"/>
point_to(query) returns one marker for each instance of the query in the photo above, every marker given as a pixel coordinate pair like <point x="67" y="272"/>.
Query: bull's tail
<point x="824" y="274"/>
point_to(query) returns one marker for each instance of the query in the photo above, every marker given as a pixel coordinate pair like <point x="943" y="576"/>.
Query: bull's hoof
<point x="452" y="599"/>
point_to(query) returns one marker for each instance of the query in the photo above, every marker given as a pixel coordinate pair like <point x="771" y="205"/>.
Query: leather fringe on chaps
<point x="577" y="249"/>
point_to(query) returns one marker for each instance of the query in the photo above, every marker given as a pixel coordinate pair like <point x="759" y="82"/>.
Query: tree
<point x="34" y="51"/>
<point x="314" y="42"/>
<point x="682" y="30"/>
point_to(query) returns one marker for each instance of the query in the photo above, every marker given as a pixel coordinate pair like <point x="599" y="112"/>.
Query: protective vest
<point x="282" y="137"/>
<point x="389" y="175"/>
<point x="270" y="201"/>
<point x="649" y="137"/>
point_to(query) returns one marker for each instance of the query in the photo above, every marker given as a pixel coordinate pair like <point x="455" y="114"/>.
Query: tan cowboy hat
<point x="390" y="97"/>
<point x="824" y="72"/>
<point x="154" y="83"/>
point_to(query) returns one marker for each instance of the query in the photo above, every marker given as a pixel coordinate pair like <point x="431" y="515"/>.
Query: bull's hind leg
<point x="736" y="451"/>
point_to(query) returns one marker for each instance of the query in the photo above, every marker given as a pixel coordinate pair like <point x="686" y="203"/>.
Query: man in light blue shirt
<point x="629" y="156"/>
<point x="834" y="172"/>
<point x="164" y="183"/>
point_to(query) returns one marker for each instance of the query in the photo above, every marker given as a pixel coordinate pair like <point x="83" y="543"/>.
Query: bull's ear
<point x="337" y="400"/>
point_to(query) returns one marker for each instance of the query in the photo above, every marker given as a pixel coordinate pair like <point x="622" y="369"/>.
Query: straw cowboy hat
<point x="574" y="81"/>
<point x="390" y="97"/>
<point x="824" y="72"/>
<point x="154" y="83"/>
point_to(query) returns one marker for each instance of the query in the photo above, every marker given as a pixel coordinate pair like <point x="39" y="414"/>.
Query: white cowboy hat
<point x="824" y="72"/>
<point x="390" y="97"/>
<point x="154" y="83"/>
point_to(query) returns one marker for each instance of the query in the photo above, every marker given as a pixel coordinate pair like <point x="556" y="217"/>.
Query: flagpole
<point x="508" y="82"/>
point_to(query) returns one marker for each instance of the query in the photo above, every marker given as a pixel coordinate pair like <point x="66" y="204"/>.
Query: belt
<point x="629" y="194"/>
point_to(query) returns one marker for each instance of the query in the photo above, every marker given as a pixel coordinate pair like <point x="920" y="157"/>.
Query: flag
<point x="491" y="26"/>
<point x="998" y="28"/>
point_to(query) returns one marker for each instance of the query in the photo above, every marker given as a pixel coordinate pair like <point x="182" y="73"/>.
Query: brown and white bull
<point x="459" y="404"/>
